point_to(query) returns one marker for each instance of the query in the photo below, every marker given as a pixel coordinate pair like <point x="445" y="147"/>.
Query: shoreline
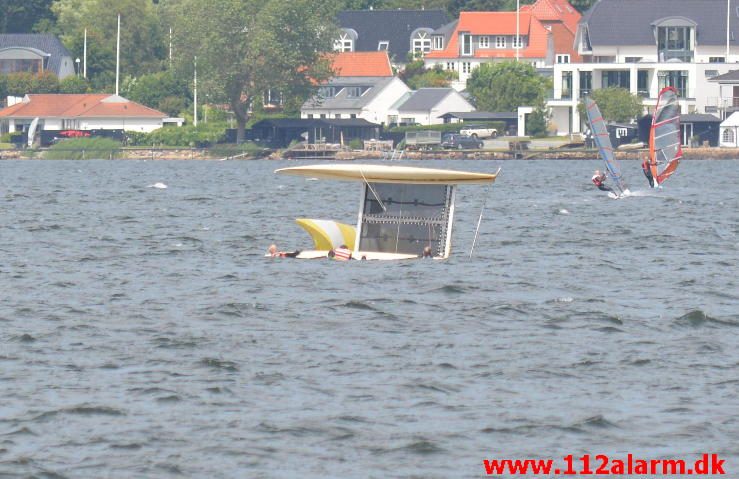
<point x="216" y="154"/>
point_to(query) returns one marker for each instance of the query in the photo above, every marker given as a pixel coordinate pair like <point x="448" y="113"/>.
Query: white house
<point x="643" y="47"/>
<point x="34" y="53"/>
<point x="369" y="98"/>
<point x="729" y="133"/>
<point x="426" y="106"/>
<point x="97" y="111"/>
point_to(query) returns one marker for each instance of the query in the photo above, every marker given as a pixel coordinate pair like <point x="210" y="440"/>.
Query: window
<point x="310" y="115"/>
<point x="466" y="67"/>
<point x="499" y="42"/>
<point x="642" y="83"/>
<point x="345" y="42"/>
<point x="586" y="83"/>
<point x="675" y="43"/>
<point x="484" y="42"/>
<point x="518" y="42"/>
<point x="566" y="85"/>
<point x="711" y="73"/>
<point x="677" y="79"/>
<point x="438" y="42"/>
<point x="728" y="136"/>
<point x="327" y="92"/>
<point x="17" y="66"/>
<point x="632" y="59"/>
<point x="421" y="43"/>
<point x="354" y="91"/>
<point x="323" y="115"/>
<point x="618" y="79"/>
<point x="716" y="59"/>
<point x="451" y="66"/>
<point x="338" y="115"/>
<point x="466" y="44"/>
<point x="353" y="115"/>
<point x="383" y="46"/>
<point x="563" y="59"/>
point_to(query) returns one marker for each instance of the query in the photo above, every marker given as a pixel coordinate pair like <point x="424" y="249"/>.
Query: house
<point x="369" y="98"/>
<point x="97" y="111"/>
<point x="361" y="64"/>
<point x="540" y="34"/>
<point x="280" y="132"/>
<point x="730" y="131"/>
<point x="399" y="32"/>
<point x="643" y="47"/>
<point x="426" y="106"/>
<point x="34" y="53"/>
<point x="728" y="93"/>
<point x="695" y="129"/>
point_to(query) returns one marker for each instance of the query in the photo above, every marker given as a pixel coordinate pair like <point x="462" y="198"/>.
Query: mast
<point x="728" y="17"/>
<point x="518" y="37"/>
<point x="195" y="94"/>
<point x="118" y="55"/>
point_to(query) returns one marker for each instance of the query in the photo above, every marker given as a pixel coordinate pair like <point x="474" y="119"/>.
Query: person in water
<point x="427" y="253"/>
<point x="647" y="170"/>
<point x="342" y="253"/>
<point x="599" y="180"/>
<point x="273" y="253"/>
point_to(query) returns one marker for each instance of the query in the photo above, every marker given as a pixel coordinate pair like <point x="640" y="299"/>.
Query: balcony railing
<point x="682" y="55"/>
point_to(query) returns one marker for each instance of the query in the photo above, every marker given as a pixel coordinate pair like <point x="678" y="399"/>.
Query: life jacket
<point x="342" y="254"/>
<point x="596" y="179"/>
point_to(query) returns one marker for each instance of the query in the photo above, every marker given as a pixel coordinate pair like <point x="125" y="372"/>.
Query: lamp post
<point x="77" y="69"/>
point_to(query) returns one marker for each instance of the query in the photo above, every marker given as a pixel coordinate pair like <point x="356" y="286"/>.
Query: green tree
<point x="45" y="82"/>
<point x="73" y="84"/>
<point x="143" y="43"/>
<point x="22" y="16"/>
<point x="505" y="86"/>
<point x="244" y="47"/>
<point x="616" y="104"/>
<point x="3" y="86"/>
<point x="172" y="105"/>
<point x="582" y="5"/>
<point x="153" y="88"/>
<point x="20" y="84"/>
<point x="416" y="76"/>
<point x="536" y="124"/>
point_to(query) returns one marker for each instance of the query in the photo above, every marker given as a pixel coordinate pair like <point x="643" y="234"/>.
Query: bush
<point x="83" y="148"/>
<point x="355" y="144"/>
<point x="185" y="136"/>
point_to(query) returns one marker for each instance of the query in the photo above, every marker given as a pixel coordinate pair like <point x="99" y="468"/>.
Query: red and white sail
<point x="665" y="150"/>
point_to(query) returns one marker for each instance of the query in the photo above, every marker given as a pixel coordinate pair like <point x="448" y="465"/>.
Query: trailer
<point x="422" y="140"/>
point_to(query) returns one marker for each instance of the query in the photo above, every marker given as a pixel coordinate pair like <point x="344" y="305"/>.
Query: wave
<point x="699" y="319"/>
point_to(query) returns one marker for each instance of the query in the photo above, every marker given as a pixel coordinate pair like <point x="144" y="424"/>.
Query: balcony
<point x="685" y="56"/>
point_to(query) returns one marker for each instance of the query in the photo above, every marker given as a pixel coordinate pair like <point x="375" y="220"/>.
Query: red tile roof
<point x="74" y="106"/>
<point x="362" y="64"/>
<point x="497" y="23"/>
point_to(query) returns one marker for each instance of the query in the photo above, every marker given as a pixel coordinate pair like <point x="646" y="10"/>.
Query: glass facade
<point x="675" y="43"/>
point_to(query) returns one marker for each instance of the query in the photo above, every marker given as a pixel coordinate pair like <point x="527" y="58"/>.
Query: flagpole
<point x="518" y="37"/>
<point x="728" y="16"/>
<point x="118" y="55"/>
<point x="195" y="95"/>
<point x="84" y="56"/>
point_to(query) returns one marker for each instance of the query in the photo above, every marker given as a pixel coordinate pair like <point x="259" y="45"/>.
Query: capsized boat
<point x="404" y="210"/>
<point x="665" y="150"/>
<point x="605" y="147"/>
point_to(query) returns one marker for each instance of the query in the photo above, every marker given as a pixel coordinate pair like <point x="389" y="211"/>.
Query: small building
<point x="426" y="106"/>
<point x="368" y="98"/>
<point x="622" y="133"/>
<point x="697" y="128"/>
<point x="280" y="132"/>
<point x="84" y="112"/>
<point x="730" y="131"/>
<point x="510" y="118"/>
<point x="34" y="53"/>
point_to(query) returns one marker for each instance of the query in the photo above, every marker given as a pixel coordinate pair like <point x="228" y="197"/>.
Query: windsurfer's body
<point x="647" y="171"/>
<point x="599" y="180"/>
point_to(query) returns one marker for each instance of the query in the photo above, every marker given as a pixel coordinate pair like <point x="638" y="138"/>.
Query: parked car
<point x="478" y="131"/>
<point x="460" y="142"/>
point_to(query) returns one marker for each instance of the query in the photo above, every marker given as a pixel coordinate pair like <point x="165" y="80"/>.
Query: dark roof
<point x="482" y="115"/>
<point x="699" y="118"/>
<point x="375" y="86"/>
<point x="424" y="99"/>
<point x="731" y="77"/>
<point x="309" y="122"/>
<point x="43" y="42"/>
<point x="630" y="22"/>
<point x="394" y="26"/>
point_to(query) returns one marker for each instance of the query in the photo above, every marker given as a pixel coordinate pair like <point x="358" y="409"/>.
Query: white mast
<point x="518" y="37"/>
<point x="84" y="56"/>
<point x="728" y="16"/>
<point x="195" y="95"/>
<point x="118" y="55"/>
<point x="170" y="47"/>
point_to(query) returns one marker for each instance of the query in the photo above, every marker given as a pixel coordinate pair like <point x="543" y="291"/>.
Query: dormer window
<point x="675" y="39"/>
<point x="518" y="42"/>
<point x="346" y="41"/>
<point x="438" y="42"/>
<point x="484" y="41"/>
<point x="500" y="42"/>
<point x="421" y="42"/>
<point x="466" y="44"/>
<point x="327" y="92"/>
<point x="383" y="46"/>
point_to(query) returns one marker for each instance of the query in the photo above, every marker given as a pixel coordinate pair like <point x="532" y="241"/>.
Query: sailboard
<point x="605" y="147"/>
<point x="665" y="150"/>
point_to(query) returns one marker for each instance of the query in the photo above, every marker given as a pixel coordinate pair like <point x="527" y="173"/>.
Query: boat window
<point x="402" y="218"/>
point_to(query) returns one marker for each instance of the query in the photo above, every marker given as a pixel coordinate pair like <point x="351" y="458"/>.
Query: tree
<point x="46" y="82"/>
<point x="244" y="47"/>
<point x="416" y="76"/>
<point x="507" y="85"/>
<point x="582" y="5"/>
<point x="23" y="16"/>
<point x="616" y="104"/>
<point x="73" y="84"/>
<point x="153" y="88"/>
<point x="536" y="124"/>
<point x="19" y="84"/>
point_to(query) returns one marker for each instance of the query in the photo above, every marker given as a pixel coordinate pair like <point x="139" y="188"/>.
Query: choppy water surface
<point x="143" y="333"/>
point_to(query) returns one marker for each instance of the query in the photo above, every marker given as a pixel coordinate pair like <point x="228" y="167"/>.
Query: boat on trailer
<point x="403" y="210"/>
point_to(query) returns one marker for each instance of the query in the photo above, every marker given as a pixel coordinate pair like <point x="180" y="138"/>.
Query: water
<point x="143" y="333"/>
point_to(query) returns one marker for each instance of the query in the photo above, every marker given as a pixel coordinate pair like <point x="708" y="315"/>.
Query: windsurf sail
<point x="665" y="150"/>
<point x="603" y="140"/>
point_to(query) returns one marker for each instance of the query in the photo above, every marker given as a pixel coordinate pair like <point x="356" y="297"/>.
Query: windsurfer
<point x="273" y="253"/>
<point x="599" y="180"/>
<point x="647" y="171"/>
